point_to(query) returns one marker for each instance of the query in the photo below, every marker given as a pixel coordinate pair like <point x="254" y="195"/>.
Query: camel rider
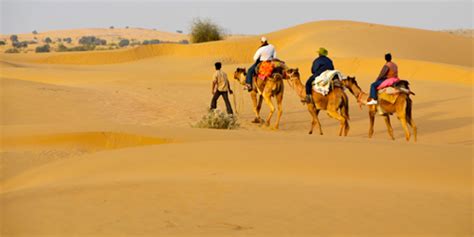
<point x="320" y="64"/>
<point x="264" y="53"/>
<point x="389" y="70"/>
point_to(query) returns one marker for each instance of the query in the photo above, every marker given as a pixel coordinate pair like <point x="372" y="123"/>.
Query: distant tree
<point x="184" y="41"/>
<point x="14" y="38"/>
<point x="43" y="49"/>
<point x="126" y="27"/>
<point x="204" y="30"/>
<point x="111" y="27"/>
<point x="179" y="31"/>
<point x="67" y="40"/>
<point x="48" y="40"/>
<point x="35" y="32"/>
<point x="124" y="42"/>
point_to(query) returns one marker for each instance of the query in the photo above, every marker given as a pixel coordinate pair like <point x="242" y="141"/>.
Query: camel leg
<point x="257" y="119"/>
<point x="389" y="126"/>
<point x="280" y="110"/>
<point x="405" y="127"/>
<point x="315" y="121"/>
<point x="372" y="120"/>
<point x="334" y="114"/>
<point x="413" y="125"/>
<point x="269" y="102"/>
<point x="346" y="127"/>
<point x="259" y="104"/>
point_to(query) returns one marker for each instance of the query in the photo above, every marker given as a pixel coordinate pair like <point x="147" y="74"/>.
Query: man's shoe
<point x="309" y="99"/>
<point x="248" y="87"/>
<point x="372" y="102"/>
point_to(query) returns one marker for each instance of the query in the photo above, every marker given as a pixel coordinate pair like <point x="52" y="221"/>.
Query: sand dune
<point x="100" y="143"/>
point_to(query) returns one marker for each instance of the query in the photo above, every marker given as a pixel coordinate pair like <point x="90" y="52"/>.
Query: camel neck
<point x="299" y="88"/>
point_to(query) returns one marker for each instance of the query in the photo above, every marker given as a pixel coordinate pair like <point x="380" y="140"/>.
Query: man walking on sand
<point x="220" y="86"/>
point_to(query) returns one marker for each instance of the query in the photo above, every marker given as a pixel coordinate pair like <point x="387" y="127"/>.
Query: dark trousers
<point x="251" y="72"/>
<point x="373" y="89"/>
<point x="226" y="100"/>
<point x="309" y="84"/>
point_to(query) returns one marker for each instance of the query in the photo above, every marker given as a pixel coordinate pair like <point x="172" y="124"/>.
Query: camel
<point x="265" y="89"/>
<point x="335" y="103"/>
<point x="402" y="107"/>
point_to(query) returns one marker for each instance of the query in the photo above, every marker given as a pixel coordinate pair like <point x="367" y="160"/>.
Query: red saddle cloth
<point x="265" y="69"/>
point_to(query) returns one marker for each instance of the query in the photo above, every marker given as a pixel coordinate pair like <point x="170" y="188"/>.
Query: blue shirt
<point x="321" y="64"/>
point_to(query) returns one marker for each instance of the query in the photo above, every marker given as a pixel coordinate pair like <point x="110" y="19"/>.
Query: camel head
<point x="292" y="74"/>
<point x="349" y="83"/>
<point x="240" y="74"/>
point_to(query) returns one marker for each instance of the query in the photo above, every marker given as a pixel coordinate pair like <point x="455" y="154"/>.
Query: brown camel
<point x="265" y="89"/>
<point x="335" y="103"/>
<point x="402" y="107"/>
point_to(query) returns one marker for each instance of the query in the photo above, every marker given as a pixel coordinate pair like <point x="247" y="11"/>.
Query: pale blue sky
<point x="237" y="17"/>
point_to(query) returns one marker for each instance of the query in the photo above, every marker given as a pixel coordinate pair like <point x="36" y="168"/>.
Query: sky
<point x="236" y="17"/>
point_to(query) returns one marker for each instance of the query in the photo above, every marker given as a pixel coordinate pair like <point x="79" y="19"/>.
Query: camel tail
<point x="408" y="110"/>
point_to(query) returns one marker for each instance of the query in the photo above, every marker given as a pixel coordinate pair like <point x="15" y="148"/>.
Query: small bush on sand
<point x="48" y="40"/>
<point x="2" y="42"/>
<point x="35" y="32"/>
<point x="204" y="30"/>
<point x="12" y="50"/>
<point x="218" y="120"/>
<point x="43" y="49"/>
<point x="67" y="40"/>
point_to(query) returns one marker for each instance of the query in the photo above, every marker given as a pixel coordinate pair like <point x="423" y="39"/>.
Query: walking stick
<point x="234" y="99"/>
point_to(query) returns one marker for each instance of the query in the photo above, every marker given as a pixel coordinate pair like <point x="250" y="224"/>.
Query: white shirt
<point x="265" y="53"/>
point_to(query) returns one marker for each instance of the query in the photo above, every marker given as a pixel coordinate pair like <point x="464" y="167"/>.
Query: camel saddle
<point x="391" y="93"/>
<point x="266" y="68"/>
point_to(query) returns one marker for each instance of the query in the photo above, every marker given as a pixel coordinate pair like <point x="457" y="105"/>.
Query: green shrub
<point x="218" y="120"/>
<point x="12" y="50"/>
<point x="48" y="40"/>
<point x="2" y="42"/>
<point x="35" y="32"/>
<point x="43" y="49"/>
<point x="204" y="30"/>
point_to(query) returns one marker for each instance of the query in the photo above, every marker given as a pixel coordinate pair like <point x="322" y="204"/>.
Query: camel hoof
<point x="310" y="132"/>
<point x="275" y="128"/>
<point x="256" y="120"/>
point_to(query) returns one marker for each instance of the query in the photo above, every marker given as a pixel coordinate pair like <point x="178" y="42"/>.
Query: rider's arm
<point x="257" y="54"/>
<point x="383" y="73"/>
<point x="316" y="66"/>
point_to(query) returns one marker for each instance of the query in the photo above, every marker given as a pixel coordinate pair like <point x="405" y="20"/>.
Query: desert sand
<point x="101" y="143"/>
